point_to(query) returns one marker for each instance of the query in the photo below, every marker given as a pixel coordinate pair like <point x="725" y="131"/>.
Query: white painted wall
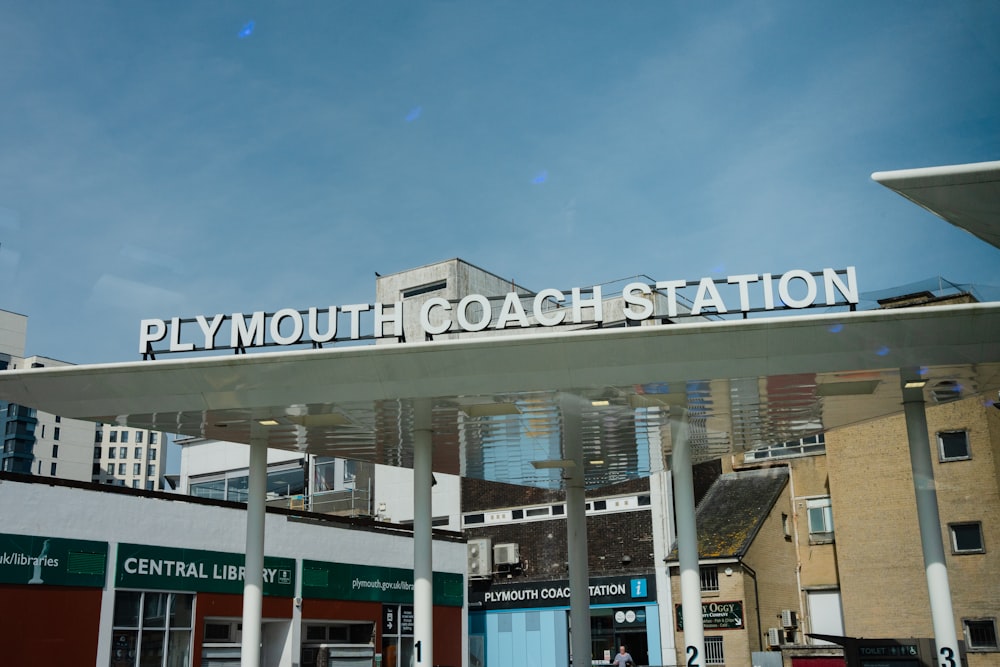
<point x="394" y="489"/>
<point x="171" y="522"/>
<point x="13" y="332"/>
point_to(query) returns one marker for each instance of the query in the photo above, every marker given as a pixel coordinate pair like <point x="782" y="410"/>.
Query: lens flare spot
<point x="540" y="177"/>
<point x="246" y="31"/>
<point x="835" y="328"/>
<point x="882" y="351"/>
<point x="414" y="114"/>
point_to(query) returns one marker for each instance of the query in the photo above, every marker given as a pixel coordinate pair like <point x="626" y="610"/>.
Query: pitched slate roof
<point x="733" y="510"/>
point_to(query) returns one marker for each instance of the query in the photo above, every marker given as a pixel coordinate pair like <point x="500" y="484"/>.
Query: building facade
<point x="46" y="445"/>
<point x="146" y="589"/>
<point x="747" y="564"/>
<point x="130" y="457"/>
<point x="518" y="586"/>
<point x="879" y="559"/>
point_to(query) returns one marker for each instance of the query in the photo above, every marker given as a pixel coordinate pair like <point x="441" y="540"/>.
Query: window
<point x="97" y="452"/>
<point x="58" y="419"/>
<point x="135" y="484"/>
<point x="713" y="651"/>
<point x="111" y="452"/>
<point x="121" y="468"/>
<point x="123" y="452"/>
<point x="55" y="432"/>
<point x="967" y="538"/>
<point x="137" y="454"/>
<point x="709" y="578"/>
<point x="52" y="469"/>
<point x="424" y="289"/>
<point x="151" y="470"/>
<point x="98" y="435"/>
<point x="954" y="445"/>
<point x="124" y="436"/>
<point x="981" y="634"/>
<point x="151" y="454"/>
<point x="339" y="634"/>
<point x="222" y="632"/>
<point x="111" y="468"/>
<point x="156" y="627"/>
<point x="138" y="437"/>
<point x="820" y="520"/>
<point x="136" y="468"/>
<point x="149" y="485"/>
<point x="152" y="438"/>
<point x="285" y="480"/>
<point x="55" y="451"/>
<point x="113" y="436"/>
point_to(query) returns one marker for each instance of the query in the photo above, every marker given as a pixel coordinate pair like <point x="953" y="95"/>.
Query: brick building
<point x="747" y="562"/>
<point x="518" y="588"/>
<point x="859" y="560"/>
<point x="879" y="557"/>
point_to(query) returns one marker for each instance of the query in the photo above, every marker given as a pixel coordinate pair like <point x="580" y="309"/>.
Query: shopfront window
<point x="152" y="629"/>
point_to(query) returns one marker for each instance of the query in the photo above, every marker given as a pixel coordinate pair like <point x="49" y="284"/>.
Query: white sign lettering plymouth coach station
<point x="548" y="308"/>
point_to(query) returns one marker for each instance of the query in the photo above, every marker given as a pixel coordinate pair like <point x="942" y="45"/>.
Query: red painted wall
<point x="447" y="620"/>
<point x="49" y="625"/>
<point x="823" y="661"/>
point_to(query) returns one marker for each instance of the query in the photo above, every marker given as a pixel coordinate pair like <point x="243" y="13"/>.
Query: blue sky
<point x="183" y="158"/>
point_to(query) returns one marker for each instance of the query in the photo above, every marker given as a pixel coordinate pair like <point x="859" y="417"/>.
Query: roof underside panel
<point x="966" y="195"/>
<point x="520" y="409"/>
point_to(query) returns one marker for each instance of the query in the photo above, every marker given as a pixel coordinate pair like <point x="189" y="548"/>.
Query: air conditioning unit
<point x="774" y="637"/>
<point x="506" y="554"/>
<point x="789" y="619"/>
<point x="479" y="557"/>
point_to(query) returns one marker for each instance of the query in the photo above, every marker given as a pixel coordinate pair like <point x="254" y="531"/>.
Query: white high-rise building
<point x="48" y="445"/>
<point x="131" y="457"/>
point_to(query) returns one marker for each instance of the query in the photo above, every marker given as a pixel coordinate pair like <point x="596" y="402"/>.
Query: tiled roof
<point x="732" y="511"/>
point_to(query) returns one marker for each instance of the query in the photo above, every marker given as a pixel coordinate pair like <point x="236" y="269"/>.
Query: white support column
<point x="687" y="540"/>
<point x="423" y="564"/>
<point x="576" y="536"/>
<point x="579" y="577"/>
<point x="253" y="576"/>
<point x="938" y="588"/>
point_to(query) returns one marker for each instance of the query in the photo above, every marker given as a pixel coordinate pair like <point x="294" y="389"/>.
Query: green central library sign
<point x="167" y="568"/>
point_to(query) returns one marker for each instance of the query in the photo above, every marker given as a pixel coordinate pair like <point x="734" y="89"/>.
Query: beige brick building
<point x="747" y="558"/>
<point x="854" y="525"/>
<point x="880" y="563"/>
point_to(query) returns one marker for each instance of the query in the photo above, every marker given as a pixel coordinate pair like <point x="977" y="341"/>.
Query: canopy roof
<point x="513" y="408"/>
<point x="966" y="195"/>
<point x="519" y="408"/>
